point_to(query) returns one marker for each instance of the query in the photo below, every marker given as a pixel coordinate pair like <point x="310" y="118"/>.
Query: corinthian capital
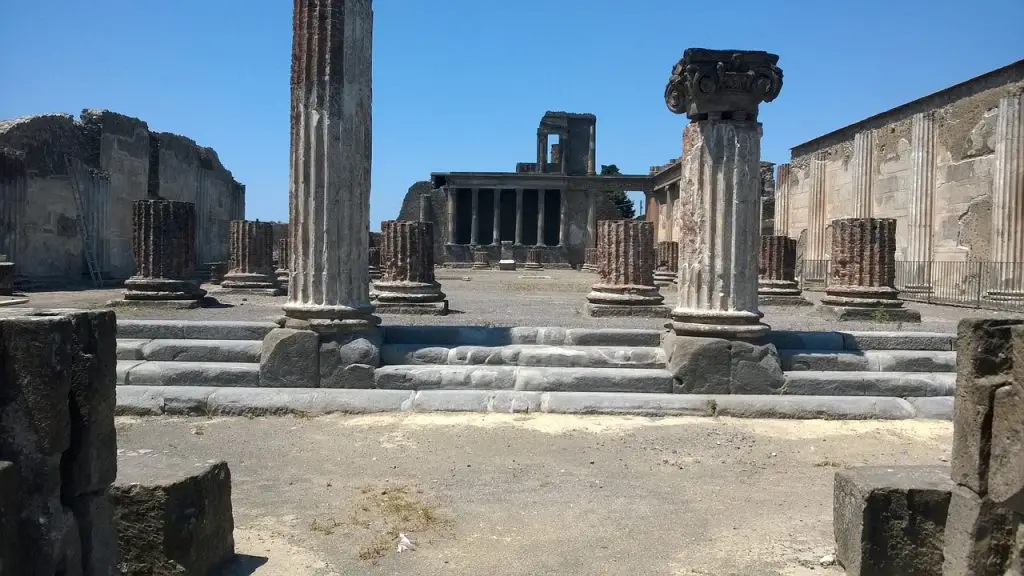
<point x="723" y="84"/>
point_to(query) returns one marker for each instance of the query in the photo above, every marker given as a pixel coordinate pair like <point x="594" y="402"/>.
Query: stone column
<point x="863" y="272"/>
<point x="164" y="245"/>
<point x="666" y="262"/>
<point x="407" y="284"/>
<point x="540" y="217"/>
<point x="1008" y="202"/>
<point x="563" y="217"/>
<point x="592" y="218"/>
<point x="283" y="261"/>
<point x="534" y="259"/>
<point x="590" y="259"/>
<point x="776" y="279"/>
<point x="670" y="211"/>
<point x="474" y="231"/>
<point x="252" y="255"/>
<point x="496" y="232"/>
<point x="542" y="151"/>
<point x="625" y="287"/>
<point x="814" y="267"/>
<point x="329" y="195"/>
<point x="922" y="192"/>
<point x="592" y="153"/>
<point x="425" y="207"/>
<point x="863" y="143"/>
<point x="519" y="216"/>
<point x="782" y="200"/>
<point x="451" y="193"/>
<point x="563" y="153"/>
<point x="716" y="221"/>
<point x="374" y="267"/>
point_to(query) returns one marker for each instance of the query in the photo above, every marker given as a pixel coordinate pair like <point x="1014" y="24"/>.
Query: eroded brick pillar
<point x="534" y="259"/>
<point x="776" y="280"/>
<point x="407" y="284"/>
<point x="284" y="258"/>
<point x="862" y="278"/>
<point x="164" y="246"/>
<point x="666" y="263"/>
<point x="625" y="260"/>
<point x="252" y="259"/>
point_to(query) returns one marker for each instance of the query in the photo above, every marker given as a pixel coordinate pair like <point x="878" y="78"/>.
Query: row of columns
<point x="474" y="236"/>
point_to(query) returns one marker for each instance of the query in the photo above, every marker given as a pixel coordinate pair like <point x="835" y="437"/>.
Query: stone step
<point x="841" y="383"/>
<point x="527" y="355"/>
<point x="192" y="330"/>
<point x="215" y="374"/>
<point x="862" y="340"/>
<point x="869" y="360"/>
<point x="451" y="336"/>
<point x="536" y="379"/>
<point x="180" y="350"/>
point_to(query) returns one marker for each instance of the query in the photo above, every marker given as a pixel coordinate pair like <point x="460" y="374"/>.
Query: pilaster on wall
<point x="863" y="174"/>
<point x="782" y="200"/>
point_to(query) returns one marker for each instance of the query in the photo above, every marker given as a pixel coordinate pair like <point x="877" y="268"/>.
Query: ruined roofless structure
<point x="552" y="204"/>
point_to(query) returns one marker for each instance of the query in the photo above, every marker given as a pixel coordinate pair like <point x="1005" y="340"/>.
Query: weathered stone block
<point x="290" y="359"/>
<point x="10" y="540"/>
<point x="979" y="535"/>
<point x="349" y="360"/>
<point x="891" y="520"/>
<point x="172" y="517"/>
<point x="718" y="366"/>
<point x="1006" y="461"/>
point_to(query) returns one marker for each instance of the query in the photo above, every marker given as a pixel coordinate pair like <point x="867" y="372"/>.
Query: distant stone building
<point x="54" y="168"/>
<point x="552" y="203"/>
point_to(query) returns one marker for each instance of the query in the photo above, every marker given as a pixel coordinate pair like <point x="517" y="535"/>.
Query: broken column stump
<point x="481" y="260"/>
<point x="590" y="260"/>
<point x="252" y="257"/>
<point x="776" y="278"/>
<point x="164" y="246"/>
<point x="891" y="520"/>
<point x="407" y="284"/>
<point x="283" y="262"/>
<point x="666" y="263"/>
<point x="217" y="272"/>
<point x="57" y="400"/>
<point x="534" y="259"/>
<point x="625" y="286"/>
<point x="863" y="272"/>
<point x="173" y="516"/>
<point x="6" y="278"/>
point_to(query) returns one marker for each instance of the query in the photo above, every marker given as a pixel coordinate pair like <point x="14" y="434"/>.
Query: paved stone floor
<point x="534" y="494"/>
<point x="545" y="298"/>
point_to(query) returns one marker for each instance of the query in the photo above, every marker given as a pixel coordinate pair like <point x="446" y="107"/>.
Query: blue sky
<point x="461" y="84"/>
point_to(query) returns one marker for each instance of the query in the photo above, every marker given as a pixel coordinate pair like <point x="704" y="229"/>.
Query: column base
<point x="728" y="324"/>
<point x="374" y="273"/>
<point x="533" y="266"/>
<point x="879" y="304"/>
<point x="625" y="295"/>
<point x="919" y="289"/>
<point x="620" y="310"/>
<point x="665" y="278"/>
<point x="283" y="278"/>
<point x="780" y="293"/>
<point x="420" y="308"/>
<point x="244" y="283"/>
<point x="162" y="290"/>
<point x="592" y="268"/>
<point x="406" y="292"/>
<point x="327" y="319"/>
<point x="872" y="313"/>
<point x="1016" y="296"/>
<point x="157" y="304"/>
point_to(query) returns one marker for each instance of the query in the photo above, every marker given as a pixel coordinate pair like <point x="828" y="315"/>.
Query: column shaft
<point x="407" y="283"/>
<point x="496" y="232"/>
<point x="252" y="256"/>
<point x="540" y="217"/>
<point x="776" y="264"/>
<point x="592" y="218"/>
<point x="592" y="153"/>
<point x="1008" y="201"/>
<point x="666" y="263"/>
<point x="519" y="216"/>
<point x="782" y="200"/>
<point x="669" y="208"/>
<point x="863" y="143"/>
<point x="922" y="191"/>
<point x="451" y="193"/>
<point x="164" y="246"/>
<point x="474" y="231"/>
<point x="625" y="267"/>
<point x="542" y="151"/>
<point x="563" y="217"/>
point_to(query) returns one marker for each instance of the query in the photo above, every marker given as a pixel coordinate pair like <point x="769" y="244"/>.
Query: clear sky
<point x="462" y="84"/>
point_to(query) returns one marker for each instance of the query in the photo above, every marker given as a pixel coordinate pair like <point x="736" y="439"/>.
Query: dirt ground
<point x="497" y="494"/>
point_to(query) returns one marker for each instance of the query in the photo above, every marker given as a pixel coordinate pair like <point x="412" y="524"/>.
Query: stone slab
<point x="277" y="401"/>
<point x="225" y="374"/>
<point x="1006" y="459"/>
<point x="190" y="304"/>
<point x="173" y="516"/>
<point x="869" y="360"/>
<point x="845" y="383"/>
<point x="813" y="407"/>
<point x="184" y="329"/>
<point x="871" y="340"/>
<point x="777" y="300"/>
<point x="447" y="335"/>
<point x="505" y="401"/>
<point x="593" y="380"/>
<point x="609" y="337"/>
<point x="94" y="514"/>
<point x="891" y="520"/>
<point x="290" y="359"/>
<point x="796" y="340"/>
<point x="131" y="348"/>
<point x="193" y="350"/>
<point x="979" y="535"/>
<point x="624" y="311"/>
<point x="850" y="313"/>
<point x="234" y="290"/>
<point x="413" y="377"/>
<point x="718" y="366"/>
<point x="628" y="403"/>
<point x="933" y="408"/>
<point x="349" y="360"/>
<point x="412" y="308"/>
<point x="123" y="368"/>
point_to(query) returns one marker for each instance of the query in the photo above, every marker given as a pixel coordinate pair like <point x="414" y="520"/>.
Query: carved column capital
<point x="723" y="84"/>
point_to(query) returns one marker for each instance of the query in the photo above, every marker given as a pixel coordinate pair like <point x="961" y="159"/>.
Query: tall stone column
<point x="1008" y="202"/>
<point x="592" y="153"/>
<point x="666" y="263"/>
<point x="283" y="261"/>
<point x="407" y="284"/>
<point x="592" y="218"/>
<point x="563" y="217"/>
<point x="782" y="200"/>
<point x="814" y="266"/>
<point x="451" y="193"/>
<point x="717" y="222"/>
<point x="863" y="272"/>
<point x="329" y="195"/>
<point x="776" y="280"/>
<point x="474" y="230"/>
<point x="542" y="151"/>
<point x="252" y="257"/>
<point x="425" y="207"/>
<point x="519" y="216"/>
<point x="625" y="267"/>
<point x="496" y="229"/>
<point x="534" y="259"/>
<point x="164" y="246"/>
<point x="540" y="217"/>
<point x="922" y="193"/>
<point x="863" y="143"/>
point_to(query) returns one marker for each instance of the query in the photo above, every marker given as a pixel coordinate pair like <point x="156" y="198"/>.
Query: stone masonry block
<point x="1006" y="461"/>
<point x="891" y="520"/>
<point x="717" y="366"/>
<point x="172" y="516"/>
<point x="290" y="359"/>
<point x="349" y="360"/>
<point x="979" y="535"/>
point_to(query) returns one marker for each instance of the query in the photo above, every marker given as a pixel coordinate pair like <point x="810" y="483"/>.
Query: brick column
<point x="534" y="259"/>
<point x="863" y="272"/>
<point x="666" y="263"/>
<point x="164" y="246"/>
<point x="776" y="272"/>
<point x="590" y="257"/>
<point x="625" y="286"/>
<point x="284" y="259"/>
<point x="252" y="255"/>
<point x="407" y="284"/>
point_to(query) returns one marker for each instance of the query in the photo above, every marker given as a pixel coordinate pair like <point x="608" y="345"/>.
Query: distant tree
<point x="621" y="200"/>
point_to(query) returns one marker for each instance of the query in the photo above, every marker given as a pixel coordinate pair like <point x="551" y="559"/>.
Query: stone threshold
<point x="207" y="401"/>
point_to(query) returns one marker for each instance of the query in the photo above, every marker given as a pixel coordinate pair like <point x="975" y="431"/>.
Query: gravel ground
<point x="492" y="298"/>
<point x="534" y="494"/>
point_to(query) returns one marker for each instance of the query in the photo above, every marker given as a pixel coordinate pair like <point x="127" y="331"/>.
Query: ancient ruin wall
<point x="964" y="117"/>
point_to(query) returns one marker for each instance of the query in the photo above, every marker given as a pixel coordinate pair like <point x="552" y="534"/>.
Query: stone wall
<point x="113" y="160"/>
<point x="964" y="119"/>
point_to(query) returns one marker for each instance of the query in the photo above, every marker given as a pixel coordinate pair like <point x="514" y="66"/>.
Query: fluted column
<point x="670" y="205"/>
<point x="863" y="142"/>
<point x="534" y="259"/>
<point x="666" y="263"/>
<point x="782" y="200"/>
<point x="164" y="246"/>
<point x="519" y="216"/>
<point x="563" y="217"/>
<point x="1008" y="201"/>
<point x="407" y="284"/>
<point x="814" y="266"/>
<point x="776" y="267"/>
<point x="329" y="195"/>
<point x="451" y="193"/>
<point x="590" y="259"/>
<point x="252" y="257"/>
<point x="922" y="192"/>
<point x="496" y="230"/>
<point x="540" y="216"/>
<point x="474" y="230"/>
<point x="625" y="267"/>
<point x="863" y="272"/>
<point x="592" y="218"/>
<point x="542" y="151"/>
<point x="283" y="259"/>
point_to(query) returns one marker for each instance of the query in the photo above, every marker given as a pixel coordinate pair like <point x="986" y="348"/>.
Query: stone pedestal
<point x="590" y="257"/>
<point x="217" y="271"/>
<point x="626" y="271"/>
<point x="863" y="272"/>
<point x="717" y="219"/>
<point x="374" y="267"/>
<point x="252" y="256"/>
<point x="776" y="280"/>
<point x="1007" y="281"/>
<point x="164" y="246"/>
<point x="666" y="263"/>
<point x="6" y="278"/>
<point x="284" y="258"/>
<point x="407" y="285"/>
<point x="534" y="259"/>
<point x="481" y="260"/>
